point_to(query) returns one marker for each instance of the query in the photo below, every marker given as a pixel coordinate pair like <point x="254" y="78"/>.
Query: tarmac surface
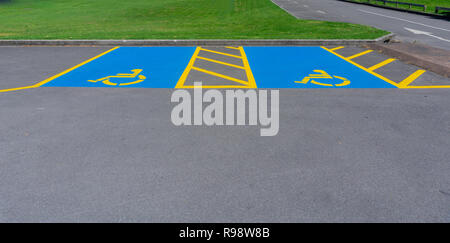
<point x="394" y="21"/>
<point x="99" y="154"/>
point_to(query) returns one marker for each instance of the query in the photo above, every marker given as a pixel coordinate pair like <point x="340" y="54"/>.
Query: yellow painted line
<point x="250" y="77"/>
<point x="183" y="77"/>
<point x="130" y="83"/>
<point x="382" y="64"/>
<point x="230" y="47"/>
<point x="323" y="84"/>
<point x="218" y="87"/>
<point x="19" y="88"/>
<point x="337" y="48"/>
<point x="428" y="87"/>
<point x="363" y="68"/>
<point x="219" y="62"/>
<point x="221" y="53"/>
<point x="411" y="78"/>
<point x="220" y="75"/>
<point x="60" y="74"/>
<point x="359" y="54"/>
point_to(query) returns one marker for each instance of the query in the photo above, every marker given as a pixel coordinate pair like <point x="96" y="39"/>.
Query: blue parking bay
<point x="130" y="67"/>
<point x="272" y="67"/>
<point x="306" y="67"/>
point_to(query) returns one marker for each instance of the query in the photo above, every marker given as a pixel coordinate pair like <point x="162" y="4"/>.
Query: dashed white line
<point x="321" y="12"/>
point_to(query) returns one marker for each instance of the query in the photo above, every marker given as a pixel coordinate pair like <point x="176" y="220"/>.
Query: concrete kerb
<point x="283" y="42"/>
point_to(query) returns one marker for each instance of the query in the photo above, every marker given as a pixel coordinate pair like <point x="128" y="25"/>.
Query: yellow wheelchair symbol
<point x="107" y="80"/>
<point x="323" y="75"/>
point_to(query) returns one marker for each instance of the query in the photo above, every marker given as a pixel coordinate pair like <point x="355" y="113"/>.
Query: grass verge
<point x="165" y="19"/>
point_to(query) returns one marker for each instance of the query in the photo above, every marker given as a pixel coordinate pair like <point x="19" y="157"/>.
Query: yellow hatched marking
<point x="418" y="73"/>
<point x="185" y="74"/>
<point x="250" y="77"/>
<point x="337" y="48"/>
<point x="374" y="67"/>
<point x="60" y="74"/>
<point x="231" y="47"/>
<point x="363" y="68"/>
<point x="219" y="62"/>
<point x="359" y="54"/>
<point x="411" y="78"/>
<point x="221" y="53"/>
<point x="248" y="84"/>
<point x="220" y="75"/>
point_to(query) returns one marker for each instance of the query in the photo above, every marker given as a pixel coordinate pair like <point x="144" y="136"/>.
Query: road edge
<point x="261" y="42"/>
<point x="400" y="9"/>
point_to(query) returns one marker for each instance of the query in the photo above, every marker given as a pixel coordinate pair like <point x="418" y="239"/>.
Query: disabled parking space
<point x="133" y="67"/>
<point x="307" y="67"/>
<point x="242" y="67"/>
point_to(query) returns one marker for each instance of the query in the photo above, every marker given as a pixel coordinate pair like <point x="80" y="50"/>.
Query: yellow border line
<point x="374" y="67"/>
<point x="411" y="78"/>
<point x="218" y="87"/>
<point x="219" y="62"/>
<point x="363" y="68"/>
<point x="359" y="54"/>
<point x="337" y="48"/>
<point x="19" y="88"/>
<point x="60" y="74"/>
<point x="185" y="74"/>
<point x="221" y="53"/>
<point x="428" y="87"/>
<point x="231" y="47"/>
<point x="250" y="77"/>
<point x="220" y="75"/>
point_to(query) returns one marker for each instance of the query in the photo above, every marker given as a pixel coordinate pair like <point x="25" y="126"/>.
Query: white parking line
<point x="409" y="21"/>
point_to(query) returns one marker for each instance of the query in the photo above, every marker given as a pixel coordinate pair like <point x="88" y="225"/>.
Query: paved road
<point x="390" y="20"/>
<point x="112" y="154"/>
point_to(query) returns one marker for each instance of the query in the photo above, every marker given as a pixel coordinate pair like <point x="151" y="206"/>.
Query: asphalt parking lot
<point x="82" y="147"/>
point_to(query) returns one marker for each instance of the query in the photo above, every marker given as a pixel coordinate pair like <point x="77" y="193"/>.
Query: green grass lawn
<point x="164" y="19"/>
<point x="431" y="4"/>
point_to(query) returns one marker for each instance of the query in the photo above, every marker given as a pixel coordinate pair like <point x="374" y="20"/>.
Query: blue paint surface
<point x="272" y="67"/>
<point x="162" y="67"/>
<point x="279" y="67"/>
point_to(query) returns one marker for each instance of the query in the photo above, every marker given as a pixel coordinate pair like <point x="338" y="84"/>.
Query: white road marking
<point x="306" y="6"/>
<point x="321" y="12"/>
<point x="409" y="21"/>
<point x="420" y="32"/>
